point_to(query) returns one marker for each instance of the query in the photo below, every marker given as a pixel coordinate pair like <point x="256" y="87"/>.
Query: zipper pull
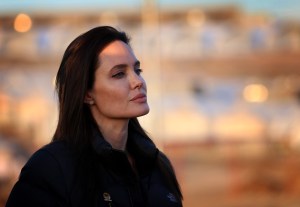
<point x="107" y="199"/>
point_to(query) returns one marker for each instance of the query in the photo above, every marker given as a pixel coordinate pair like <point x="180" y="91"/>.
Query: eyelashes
<point x="138" y="71"/>
<point x="121" y="74"/>
<point x="118" y="75"/>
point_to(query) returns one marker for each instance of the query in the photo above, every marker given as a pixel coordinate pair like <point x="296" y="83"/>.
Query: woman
<point x="100" y="155"/>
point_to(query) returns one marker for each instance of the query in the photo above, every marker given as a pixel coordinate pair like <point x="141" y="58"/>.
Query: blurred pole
<point x="151" y="59"/>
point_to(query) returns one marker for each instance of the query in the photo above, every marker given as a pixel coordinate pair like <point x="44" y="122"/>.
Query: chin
<point x="143" y="112"/>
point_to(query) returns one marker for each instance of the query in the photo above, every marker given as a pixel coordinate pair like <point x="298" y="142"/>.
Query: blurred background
<point x="223" y="86"/>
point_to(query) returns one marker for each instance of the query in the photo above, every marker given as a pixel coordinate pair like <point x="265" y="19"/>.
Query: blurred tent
<point x="223" y="82"/>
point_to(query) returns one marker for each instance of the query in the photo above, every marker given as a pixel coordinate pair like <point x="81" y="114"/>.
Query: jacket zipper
<point x="130" y="198"/>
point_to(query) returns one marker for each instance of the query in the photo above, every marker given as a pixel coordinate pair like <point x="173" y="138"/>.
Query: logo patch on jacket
<point x="172" y="198"/>
<point x="107" y="198"/>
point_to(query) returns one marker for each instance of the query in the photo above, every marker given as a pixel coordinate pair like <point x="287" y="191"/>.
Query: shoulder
<point x="164" y="190"/>
<point x="50" y="161"/>
<point x="164" y="159"/>
<point x="45" y="179"/>
<point x="164" y="167"/>
<point x="55" y="153"/>
<point x="56" y="149"/>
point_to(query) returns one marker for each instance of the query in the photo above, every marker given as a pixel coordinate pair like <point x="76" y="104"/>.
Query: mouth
<point x="139" y="98"/>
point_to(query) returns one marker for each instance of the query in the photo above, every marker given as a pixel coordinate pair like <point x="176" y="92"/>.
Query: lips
<point x="139" y="98"/>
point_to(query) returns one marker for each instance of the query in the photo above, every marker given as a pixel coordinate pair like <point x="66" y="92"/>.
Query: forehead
<point x="115" y="53"/>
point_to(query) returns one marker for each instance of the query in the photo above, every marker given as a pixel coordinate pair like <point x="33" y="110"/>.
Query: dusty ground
<point x="228" y="176"/>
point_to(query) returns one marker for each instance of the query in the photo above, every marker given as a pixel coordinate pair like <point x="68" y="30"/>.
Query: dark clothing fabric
<point x="49" y="177"/>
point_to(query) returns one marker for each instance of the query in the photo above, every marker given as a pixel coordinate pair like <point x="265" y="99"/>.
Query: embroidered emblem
<point x="106" y="197"/>
<point x="172" y="198"/>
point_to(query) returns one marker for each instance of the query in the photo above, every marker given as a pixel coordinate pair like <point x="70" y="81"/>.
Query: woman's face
<point x="119" y="91"/>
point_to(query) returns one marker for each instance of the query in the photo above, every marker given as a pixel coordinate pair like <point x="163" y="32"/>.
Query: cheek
<point x="110" y="98"/>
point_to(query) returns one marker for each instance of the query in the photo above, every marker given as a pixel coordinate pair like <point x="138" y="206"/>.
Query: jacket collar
<point x="140" y="147"/>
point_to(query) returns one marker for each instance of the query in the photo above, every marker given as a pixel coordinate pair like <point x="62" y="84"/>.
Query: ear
<point x="88" y="99"/>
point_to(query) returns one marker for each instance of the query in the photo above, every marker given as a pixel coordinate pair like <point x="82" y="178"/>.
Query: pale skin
<point x="118" y="93"/>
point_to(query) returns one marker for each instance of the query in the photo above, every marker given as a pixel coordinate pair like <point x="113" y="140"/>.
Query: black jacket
<point x="49" y="177"/>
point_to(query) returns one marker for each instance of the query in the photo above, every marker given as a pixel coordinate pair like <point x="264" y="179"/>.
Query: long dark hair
<point x="74" y="78"/>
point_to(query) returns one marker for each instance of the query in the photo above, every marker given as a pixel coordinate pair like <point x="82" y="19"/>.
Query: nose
<point x="139" y="85"/>
<point x="136" y="82"/>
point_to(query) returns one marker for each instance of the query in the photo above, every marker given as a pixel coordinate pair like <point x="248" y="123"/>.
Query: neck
<point x="115" y="133"/>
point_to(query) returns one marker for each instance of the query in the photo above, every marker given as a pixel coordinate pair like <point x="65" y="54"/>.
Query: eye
<point x="138" y="71"/>
<point x="118" y="75"/>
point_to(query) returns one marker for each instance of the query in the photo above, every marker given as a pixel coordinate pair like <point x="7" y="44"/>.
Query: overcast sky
<point x="281" y="8"/>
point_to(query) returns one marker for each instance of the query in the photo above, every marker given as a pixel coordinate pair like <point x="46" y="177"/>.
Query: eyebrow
<point x="136" y="64"/>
